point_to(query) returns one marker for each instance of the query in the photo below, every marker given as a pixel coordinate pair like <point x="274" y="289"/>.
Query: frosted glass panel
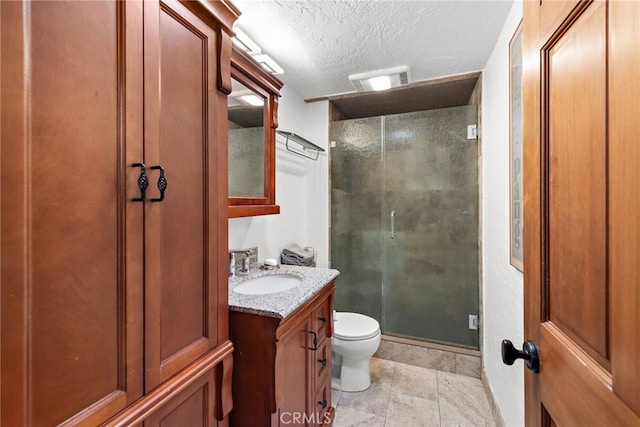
<point x="356" y="228"/>
<point x="424" y="282"/>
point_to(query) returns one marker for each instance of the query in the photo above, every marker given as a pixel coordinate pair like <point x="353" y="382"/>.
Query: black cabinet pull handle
<point x="315" y="341"/>
<point x="162" y="183"/>
<point x="323" y="361"/>
<point x="323" y="403"/>
<point x="143" y="182"/>
<point x="322" y="319"/>
<point x="529" y="353"/>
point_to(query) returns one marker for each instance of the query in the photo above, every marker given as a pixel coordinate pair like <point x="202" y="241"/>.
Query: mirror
<point x="252" y="121"/>
<point x="246" y="141"/>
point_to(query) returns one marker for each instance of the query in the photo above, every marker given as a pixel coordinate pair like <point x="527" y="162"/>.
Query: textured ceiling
<point x="320" y="42"/>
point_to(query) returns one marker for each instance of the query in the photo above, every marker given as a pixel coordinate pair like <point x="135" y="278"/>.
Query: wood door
<point x="582" y="211"/>
<point x="185" y="232"/>
<point x="71" y="283"/>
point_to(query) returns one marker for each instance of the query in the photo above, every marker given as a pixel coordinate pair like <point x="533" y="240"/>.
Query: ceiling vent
<point x="380" y="79"/>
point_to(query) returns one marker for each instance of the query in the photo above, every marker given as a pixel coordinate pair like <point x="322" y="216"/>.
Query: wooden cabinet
<point x="283" y="374"/>
<point x="113" y="310"/>
<point x="265" y="86"/>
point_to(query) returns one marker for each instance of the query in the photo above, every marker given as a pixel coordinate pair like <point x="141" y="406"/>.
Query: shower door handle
<point x="393" y="224"/>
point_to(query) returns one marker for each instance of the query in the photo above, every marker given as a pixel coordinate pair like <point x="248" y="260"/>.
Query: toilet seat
<point x="354" y="326"/>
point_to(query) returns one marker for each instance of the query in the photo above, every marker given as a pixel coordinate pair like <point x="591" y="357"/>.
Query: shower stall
<point x="404" y="222"/>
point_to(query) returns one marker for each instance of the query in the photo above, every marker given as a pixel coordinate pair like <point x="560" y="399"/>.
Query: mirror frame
<point x="246" y="71"/>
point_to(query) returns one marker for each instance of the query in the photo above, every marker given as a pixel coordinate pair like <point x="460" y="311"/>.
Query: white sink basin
<point x="267" y="284"/>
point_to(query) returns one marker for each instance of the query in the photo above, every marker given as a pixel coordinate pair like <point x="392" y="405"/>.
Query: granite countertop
<point x="280" y="304"/>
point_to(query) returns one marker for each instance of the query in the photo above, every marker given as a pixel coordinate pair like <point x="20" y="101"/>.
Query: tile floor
<point x="431" y="358"/>
<point x="413" y="396"/>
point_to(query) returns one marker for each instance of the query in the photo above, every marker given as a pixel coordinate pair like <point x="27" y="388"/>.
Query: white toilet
<point x="356" y="338"/>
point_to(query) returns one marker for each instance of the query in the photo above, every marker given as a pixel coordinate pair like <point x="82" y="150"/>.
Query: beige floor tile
<point x="381" y="371"/>
<point x="428" y="358"/>
<point x="470" y="366"/>
<point x="390" y="349"/>
<point x="417" y="356"/>
<point x="374" y="400"/>
<point x="415" y="381"/>
<point x="411" y="411"/>
<point x="335" y="397"/>
<point x="407" y="391"/>
<point x="463" y="401"/>
<point x="350" y="417"/>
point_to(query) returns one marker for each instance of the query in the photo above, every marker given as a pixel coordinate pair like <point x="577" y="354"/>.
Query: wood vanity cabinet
<point x="283" y="366"/>
<point x="114" y="305"/>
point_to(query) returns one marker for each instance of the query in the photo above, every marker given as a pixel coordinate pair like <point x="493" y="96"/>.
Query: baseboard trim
<point x="495" y="409"/>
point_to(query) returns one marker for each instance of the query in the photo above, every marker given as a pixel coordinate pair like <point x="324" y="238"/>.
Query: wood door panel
<point x="81" y="347"/>
<point x="581" y="92"/>
<point x="212" y="370"/>
<point x="323" y="319"/>
<point x="577" y="181"/>
<point x="293" y="379"/>
<point x="589" y="388"/>
<point x="322" y="361"/>
<point x="321" y="403"/>
<point x="624" y="203"/>
<point x="194" y="406"/>
<point x="183" y="153"/>
<point x="181" y="299"/>
<point x="75" y="271"/>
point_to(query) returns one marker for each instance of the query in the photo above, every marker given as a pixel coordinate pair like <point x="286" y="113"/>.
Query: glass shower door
<point x="430" y="226"/>
<point x="423" y="282"/>
<point x="356" y="224"/>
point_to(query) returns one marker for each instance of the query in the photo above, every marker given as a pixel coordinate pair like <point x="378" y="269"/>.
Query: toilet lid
<point x="354" y="326"/>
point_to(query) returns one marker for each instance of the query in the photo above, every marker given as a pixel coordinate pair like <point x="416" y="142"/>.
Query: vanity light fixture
<point x="268" y="64"/>
<point x="380" y="79"/>
<point x="244" y="42"/>
<point x="252" y="100"/>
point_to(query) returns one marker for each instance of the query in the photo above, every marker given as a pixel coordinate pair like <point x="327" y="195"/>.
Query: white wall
<point x="502" y="284"/>
<point x="301" y="188"/>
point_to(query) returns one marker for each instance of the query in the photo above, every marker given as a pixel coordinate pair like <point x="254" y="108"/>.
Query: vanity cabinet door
<point x="295" y="364"/>
<point x="322" y="361"/>
<point x="323" y="412"/>
<point x="322" y="318"/>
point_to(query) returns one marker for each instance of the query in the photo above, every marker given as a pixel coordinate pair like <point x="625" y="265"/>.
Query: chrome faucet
<point x="246" y="261"/>
<point x="232" y="264"/>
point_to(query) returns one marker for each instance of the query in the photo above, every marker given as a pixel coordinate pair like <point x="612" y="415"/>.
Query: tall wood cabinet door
<point x="183" y="232"/>
<point x="71" y="238"/>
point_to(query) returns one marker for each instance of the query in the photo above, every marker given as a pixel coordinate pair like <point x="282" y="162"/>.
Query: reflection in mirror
<point x="246" y="141"/>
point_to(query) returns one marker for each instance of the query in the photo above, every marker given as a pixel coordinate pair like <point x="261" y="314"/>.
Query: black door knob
<point x="529" y="353"/>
